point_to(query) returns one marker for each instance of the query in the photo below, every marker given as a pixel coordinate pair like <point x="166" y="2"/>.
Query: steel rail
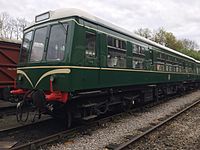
<point x="7" y="131"/>
<point x="8" y="110"/>
<point x="33" y="145"/>
<point x="63" y="134"/>
<point x="136" y="138"/>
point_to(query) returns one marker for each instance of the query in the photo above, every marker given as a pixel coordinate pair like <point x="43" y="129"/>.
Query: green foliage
<point x="159" y="36"/>
<point x="168" y="39"/>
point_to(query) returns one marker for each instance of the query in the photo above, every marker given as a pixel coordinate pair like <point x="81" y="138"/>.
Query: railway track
<point x="7" y="110"/>
<point x="71" y="132"/>
<point x="38" y="142"/>
<point x="7" y="134"/>
<point x="154" y="128"/>
<point x="59" y="135"/>
<point x="64" y="134"/>
<point x="20" y="127"/>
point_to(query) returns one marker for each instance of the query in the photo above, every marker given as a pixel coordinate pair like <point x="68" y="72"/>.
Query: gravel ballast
<point x="114" y="132"/>
<point x="181" y="133"/>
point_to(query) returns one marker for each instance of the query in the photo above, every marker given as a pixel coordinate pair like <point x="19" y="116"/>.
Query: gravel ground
<point x="128" y="125"/>
<point x="32" y="132"/>
<point x="8" y="121"/>
<point x="11" y="121"/>
<point x="6" y="104"/>
<point x="181" y="133"/>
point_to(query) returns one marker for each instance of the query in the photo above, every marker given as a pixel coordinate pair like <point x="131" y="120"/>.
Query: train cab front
<point x="42" y="73"/>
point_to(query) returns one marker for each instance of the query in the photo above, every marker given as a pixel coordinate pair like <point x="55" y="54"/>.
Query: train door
<point x="91" y="49"/>
<point x="91" y="62"/>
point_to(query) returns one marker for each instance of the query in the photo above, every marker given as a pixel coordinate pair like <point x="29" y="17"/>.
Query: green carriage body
<point x="78" y="72"/>
<point x="76" y="66"/>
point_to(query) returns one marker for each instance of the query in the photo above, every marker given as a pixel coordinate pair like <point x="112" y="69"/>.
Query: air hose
<point x="22" y="113"/>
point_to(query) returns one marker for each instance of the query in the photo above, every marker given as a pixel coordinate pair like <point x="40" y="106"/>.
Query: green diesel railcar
<point x="85" y="65"/>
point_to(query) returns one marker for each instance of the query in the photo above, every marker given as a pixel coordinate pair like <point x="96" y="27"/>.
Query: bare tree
<point x="4" y="17"/>
<point x="159" y="36"/>
<point x="1" y="28"/>
<point x="20" y="25"/>
<point x="145" y="32"/>
<point x="11" y="28"/>
<point x="190" y="45"/>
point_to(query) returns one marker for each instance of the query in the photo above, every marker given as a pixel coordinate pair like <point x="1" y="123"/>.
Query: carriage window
<point x="176" y="68"/>
<point x="138" y="63"/>
<point x="56" y="47"/>
<point x="116" y="58"/>
<point x="162" y="56"/>
<point x="38" y="44"/>
<point x="26" y="46"/>
<point x="90" y="45"/>
<point x="169" y="67"/>
<point x="110" y="41"/>
<point x="116" y="43"/>
<point x="137" y="49"/>
<point x="160" y="67"/>
<point x="116" y="53"/>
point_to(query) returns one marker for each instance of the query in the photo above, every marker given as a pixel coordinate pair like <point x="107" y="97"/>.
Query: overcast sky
<point x="181" y="17"/>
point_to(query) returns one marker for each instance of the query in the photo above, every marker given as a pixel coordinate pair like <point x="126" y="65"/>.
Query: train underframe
<point x="87" y="105"/>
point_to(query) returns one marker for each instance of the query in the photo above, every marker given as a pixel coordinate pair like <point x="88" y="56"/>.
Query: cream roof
<point x="64" y="13"/>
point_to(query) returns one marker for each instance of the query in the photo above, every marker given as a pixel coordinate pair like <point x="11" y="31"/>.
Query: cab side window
<point x="90" y="45"/>
<point x="57" y="42"/>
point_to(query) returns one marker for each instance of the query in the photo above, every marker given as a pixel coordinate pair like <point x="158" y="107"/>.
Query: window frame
<point x="141" y="62"/>
<point x="48" y="41"/>
<point x="137" y="49"/>
<point x="29" y="48"/>
<point x="45" y="44"/>
<point x="119" y="50"/>
<point x="86" y="44"/>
